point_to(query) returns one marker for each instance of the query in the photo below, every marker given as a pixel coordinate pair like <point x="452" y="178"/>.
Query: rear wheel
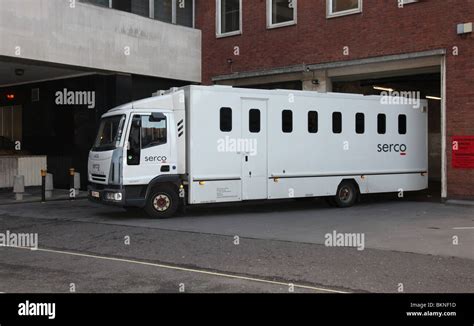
<point x="163" y="202"/>
<point x="346" y="194"/>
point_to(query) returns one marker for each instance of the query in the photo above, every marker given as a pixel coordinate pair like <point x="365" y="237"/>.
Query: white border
<point x="330" y="14"/>
<point x="218" y="21"/>
<point x="277" y="25"/>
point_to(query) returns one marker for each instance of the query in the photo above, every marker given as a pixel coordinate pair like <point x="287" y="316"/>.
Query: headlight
<point x="114" y="196"/>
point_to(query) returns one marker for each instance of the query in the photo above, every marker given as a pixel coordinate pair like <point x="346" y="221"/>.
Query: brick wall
<point x="381" y="29"/>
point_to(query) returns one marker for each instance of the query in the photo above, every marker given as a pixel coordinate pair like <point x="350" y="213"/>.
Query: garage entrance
<point x="39" y="119"/>
<point x="427" y="86"/>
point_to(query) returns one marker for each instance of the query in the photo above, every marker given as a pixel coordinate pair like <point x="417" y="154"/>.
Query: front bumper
<point x="107" y="196"/>
<point x="132" y="196"/>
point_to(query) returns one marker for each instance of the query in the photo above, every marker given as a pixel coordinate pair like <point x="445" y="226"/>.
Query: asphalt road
<point x="280" y="248"/>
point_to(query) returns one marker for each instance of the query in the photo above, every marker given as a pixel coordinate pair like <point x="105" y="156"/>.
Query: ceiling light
<point x="383" y="89"/>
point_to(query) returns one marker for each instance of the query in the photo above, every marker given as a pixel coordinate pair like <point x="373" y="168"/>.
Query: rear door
<point x="253" y="145"/>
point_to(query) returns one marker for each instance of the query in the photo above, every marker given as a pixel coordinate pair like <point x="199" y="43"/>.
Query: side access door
<point x="253" y="145"/>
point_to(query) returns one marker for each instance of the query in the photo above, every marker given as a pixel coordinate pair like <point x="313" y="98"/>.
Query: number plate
<point x="95" y="194"/>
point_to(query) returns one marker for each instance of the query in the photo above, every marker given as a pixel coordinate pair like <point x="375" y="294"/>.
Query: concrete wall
<point x="28" y="166"/>
<point x="95" y="37"/>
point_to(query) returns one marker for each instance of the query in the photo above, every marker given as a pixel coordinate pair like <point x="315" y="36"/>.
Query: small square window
<point x="254" y="121"/>
<point x="226" y="119"/>
<point x="337" y="8"/>
<point x="382" y="124"/>
<point x="360" y="123"/>
<point x="313" y="122"/>
<point x="281" y="13"/>
<point x="229" y="17"/>
<point x="402" y="124"/>
<point x="337" y="122"/>
<point x="287" y="121"/>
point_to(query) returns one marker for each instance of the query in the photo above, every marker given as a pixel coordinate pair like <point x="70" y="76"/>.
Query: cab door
<point x="149" y="148"/>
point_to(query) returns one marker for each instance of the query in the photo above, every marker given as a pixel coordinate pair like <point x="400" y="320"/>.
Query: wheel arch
<point x="172" y="180"/>
<point x="354" y="182"/>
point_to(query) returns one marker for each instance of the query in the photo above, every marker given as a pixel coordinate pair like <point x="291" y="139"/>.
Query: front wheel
<point x="163" y="202"/>
<point x="346" y="194"/>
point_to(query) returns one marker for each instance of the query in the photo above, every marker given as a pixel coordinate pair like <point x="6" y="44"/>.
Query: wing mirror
<point x="157" y="117"/>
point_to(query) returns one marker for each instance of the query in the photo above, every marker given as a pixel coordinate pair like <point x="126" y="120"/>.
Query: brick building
<point x="357" y="46"/>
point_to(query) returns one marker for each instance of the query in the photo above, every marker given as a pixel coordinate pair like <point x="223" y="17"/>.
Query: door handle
<point x="246" y="158"/>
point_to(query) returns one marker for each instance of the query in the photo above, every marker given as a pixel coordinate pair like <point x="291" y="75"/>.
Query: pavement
<point x="33" y="195"/>
<point x="271" y="247"/>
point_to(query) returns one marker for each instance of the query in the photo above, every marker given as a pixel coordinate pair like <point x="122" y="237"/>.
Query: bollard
<point x="43" y="185"/>
<point x="19" y="186"/>
<point x="72" y="191"/>
<point x="49" y="186"/>
<point x="77" y="183"/>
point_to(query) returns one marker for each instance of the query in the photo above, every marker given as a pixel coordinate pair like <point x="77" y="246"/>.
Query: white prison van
<point x="216" y="144"/>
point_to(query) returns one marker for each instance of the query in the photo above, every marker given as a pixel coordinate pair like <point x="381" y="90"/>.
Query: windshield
<point x="110" y="133"/>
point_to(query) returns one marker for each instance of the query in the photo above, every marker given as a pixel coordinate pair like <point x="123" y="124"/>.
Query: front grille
<point x="98" y="177"/>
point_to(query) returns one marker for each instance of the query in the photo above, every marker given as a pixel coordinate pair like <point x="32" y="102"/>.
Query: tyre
<point x="346" y="195"/>
<point x="163" y="202"/>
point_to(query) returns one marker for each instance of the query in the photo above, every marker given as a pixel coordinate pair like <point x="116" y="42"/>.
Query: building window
<point x="312" y="122"/>
<point x="287" y="121"/>
<point x="185" y="13"/>
<point x="360" y="123"/>
<point x="381" y="124"/>
<point x="163" y="10"/>
<point x="180" y="12"/>
<point x="405" y="2"/>
<point x="140" y="7"/>
<point x="402" y="124"/>
<point x="124" y="5"/>
<point x="229" y="17"/>
<point x="102" y="3"/>
<point x="281" y="13"/>
<point x="337" y="122"/>
<point x="337" y="8"/>
<point x="254" y="121"/>
<point x="226" y="119"/>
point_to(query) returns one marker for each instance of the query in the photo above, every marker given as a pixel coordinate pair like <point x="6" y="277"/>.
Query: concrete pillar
<point x="49" y="186"/>
<point x="317" y="81"/>
<point x="77" y="183"/>
<point x="19" y="186"/>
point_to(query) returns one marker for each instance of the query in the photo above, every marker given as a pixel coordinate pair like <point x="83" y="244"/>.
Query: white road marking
<point x="464" y="228"/>
<point x="188" y="270"/>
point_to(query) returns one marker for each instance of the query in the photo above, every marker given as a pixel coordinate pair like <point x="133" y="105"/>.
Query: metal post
<point x="43" y="185"/>
<point x="72" y="191"/>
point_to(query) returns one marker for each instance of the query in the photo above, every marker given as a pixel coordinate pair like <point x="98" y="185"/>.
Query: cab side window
<point x="153" y="132"/>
